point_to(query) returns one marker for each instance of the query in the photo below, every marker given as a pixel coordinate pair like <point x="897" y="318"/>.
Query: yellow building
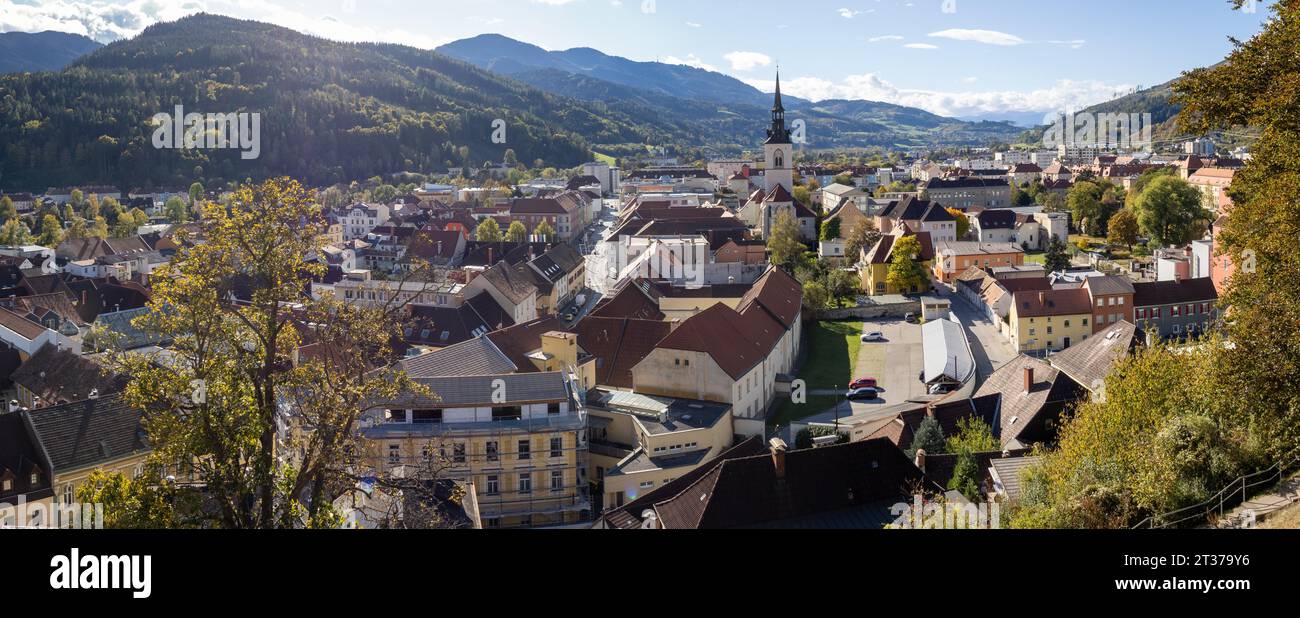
<point x="61" y="454"/>
<point x="1050" y="320"/>
<point x="510" y="419"/>
<point x="874" y="268"/>
<point x="640" y="442"/>
<point x="956" y="257"/>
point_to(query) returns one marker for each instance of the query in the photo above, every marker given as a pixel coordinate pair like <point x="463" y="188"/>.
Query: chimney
<point x="489" y="260"/>
<point x="778" y="448"/>
<point x="1029" y="379"/>
<point x="920" y="459"/>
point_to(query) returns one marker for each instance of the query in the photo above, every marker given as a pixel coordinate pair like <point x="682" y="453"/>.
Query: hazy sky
<point x="954" y="57"/>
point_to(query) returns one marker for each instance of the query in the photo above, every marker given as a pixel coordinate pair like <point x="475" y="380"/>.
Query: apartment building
<point x="954" y="258"/>
<point x="1047" y="321"/>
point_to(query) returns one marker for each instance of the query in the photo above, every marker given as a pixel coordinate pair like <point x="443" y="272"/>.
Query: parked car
<point x="910" y="318"/>
<point x="863" y="383"/>
<point x="873" y="336"/>
<point x="862" y="394"/>
<point x="941" y="389"/>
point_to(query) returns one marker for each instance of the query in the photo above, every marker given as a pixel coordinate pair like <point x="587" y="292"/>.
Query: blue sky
<point x="955" y="57"/>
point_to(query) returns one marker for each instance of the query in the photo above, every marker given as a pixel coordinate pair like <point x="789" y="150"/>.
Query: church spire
<point x="778" y="134"/>
<point x="777" y="106"/>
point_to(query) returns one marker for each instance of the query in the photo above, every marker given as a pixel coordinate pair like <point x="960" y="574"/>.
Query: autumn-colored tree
<point x="1140" y="448"/>
<point x="488" y="231"/>
<point x="266" y="429"/>
<point x="906" y="274"/>
<point x="963" y="222"/>
<point x="517" y="232"/>
<point x="863" y="236"/>
<point x="14" y="233"/>
<point x="784" y="242"/>
<point x="51" y="232"/>
<point x="544" y="232"/>
<point x="1255" y="86"/>
<point x="1123" y="229"/>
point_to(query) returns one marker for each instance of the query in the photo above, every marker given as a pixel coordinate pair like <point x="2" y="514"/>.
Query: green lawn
<point x="832" y="355"/>
<point x="604" y="158"/>
<point x="1036" y="258"/>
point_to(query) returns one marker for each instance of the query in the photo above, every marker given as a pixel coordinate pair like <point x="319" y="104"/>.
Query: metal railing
<point x="1235" y="493"/>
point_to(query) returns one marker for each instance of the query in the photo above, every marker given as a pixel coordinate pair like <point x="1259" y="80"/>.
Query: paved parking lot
<point x="895" y="363"/>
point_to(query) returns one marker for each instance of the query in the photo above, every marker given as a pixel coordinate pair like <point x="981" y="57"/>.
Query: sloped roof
<point x="57" y="376"/>
<point x="88" y="433"/>
<point x="513" y="282"/>
<point x="619" y="343"/>
<point x="1089" y="362"/>
<point x="477" y="356"/>
<point x="1157" y="293"/>
<point x="747" y="491"/>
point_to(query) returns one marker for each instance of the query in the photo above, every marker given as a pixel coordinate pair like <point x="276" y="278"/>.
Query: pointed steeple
<point x="777" y="105"/>
<point x="778" y="134"/>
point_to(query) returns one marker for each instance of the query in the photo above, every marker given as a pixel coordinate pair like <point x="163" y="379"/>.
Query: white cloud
<point x="1064" y="94"/>
<point x="693" y="24"/>
<point x="987" y="37"/>
<point x="106" y="23"/>
<point x="850" y="13"/>
<point x="887" y="37"/>
<point x="747" y="61"/>
<point x="691" y="60"/>
<point x="102" y="22"/>
<point x="921" y="46"/>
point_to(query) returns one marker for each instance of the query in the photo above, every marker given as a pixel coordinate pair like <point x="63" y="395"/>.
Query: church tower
<point x="778" y="151"/>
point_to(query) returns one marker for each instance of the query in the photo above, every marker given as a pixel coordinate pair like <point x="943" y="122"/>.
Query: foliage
<point x="863" y="236"/>
<point x="963" y="221"/>
<point x="1143" y="448"/>
<point x="517" y="232"/>
<point x="784" y="242"/>
<point x="145" y="502"/>
<point x="1056" y="259"/>
<point x="905" y="273"/>
<point x="928" y="437"/>
<point x="218" y="404"/>
<point x="830" y="229"/>
<point x="1257" y="86"/>
<point x="804" y="439"/>
<point x="544" y="232"/>
<point x="14" y="233"/>
<point x="1168" y="210"/>
<point x="488" y="231"/>
<point x="1123" y="229"/>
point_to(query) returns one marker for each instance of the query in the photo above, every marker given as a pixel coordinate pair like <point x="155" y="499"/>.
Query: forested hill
<point x="330" y="111"/>
<point x="41" y="51"/>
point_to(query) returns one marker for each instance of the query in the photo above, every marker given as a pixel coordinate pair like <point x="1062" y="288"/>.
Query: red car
<point x="863" y="383"/>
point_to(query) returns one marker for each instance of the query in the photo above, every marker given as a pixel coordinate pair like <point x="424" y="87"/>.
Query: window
<point x="647" y="484"/>
<point x="525" y="449"/>
<point x="557" y="447"/>
<point x="458" y="453"/>
<point x="493" y="485"/>
<point x="557" y="480"/>
<point x="525" y="483"/>
<point x="394" y="453"/>
<point x="67" y="493"/>
<point x="493" y="449"/>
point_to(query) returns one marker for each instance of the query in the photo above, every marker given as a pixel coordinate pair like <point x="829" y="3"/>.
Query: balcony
<point x="552" y="423"/>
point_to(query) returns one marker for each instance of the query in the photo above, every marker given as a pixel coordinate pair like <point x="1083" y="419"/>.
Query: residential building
<point x="1031" y="395"/>
<point x="1046" y="321"/>
<point x="965" y="192"/>
<point x="1112" y="300"/>
<point x="511" y="287"/>
<point x="640" y="442"/>
<point x="521" y="438"/>
<point x="874" y="268"/>
<point x="1176" y="309"/>
<point x="954" y="257"/>
<point x="854" y="485"/>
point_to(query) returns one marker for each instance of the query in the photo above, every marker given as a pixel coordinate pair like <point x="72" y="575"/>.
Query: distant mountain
<point x="42" y="51"/>
<point x="334" y="112"/>
<point x="329" y="111"/>
<point x="733" y="112"/>
<point x="508" y="56"/>
<point x="1157" y="101"/>
<point x="1020" y="119"/>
